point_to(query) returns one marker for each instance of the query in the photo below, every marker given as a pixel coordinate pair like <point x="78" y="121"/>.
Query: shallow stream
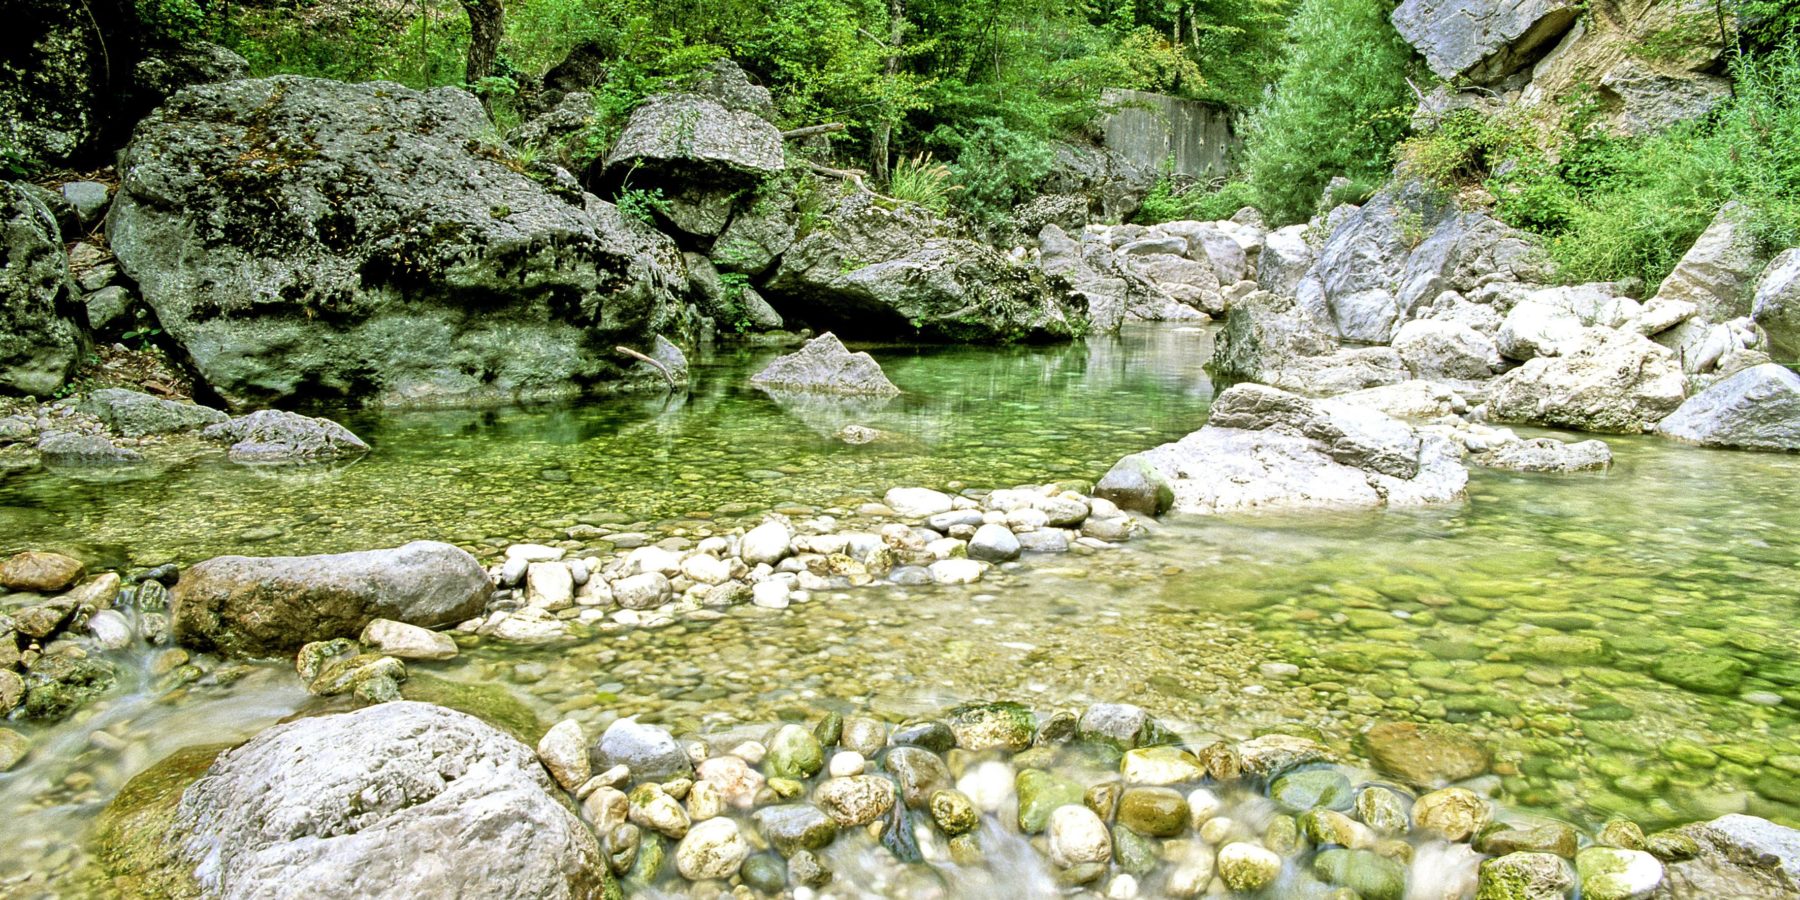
<point x="1536" y="614"/>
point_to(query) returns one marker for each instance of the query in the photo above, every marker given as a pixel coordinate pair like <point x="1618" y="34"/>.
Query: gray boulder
<point x="1776" y="308"/>
<point x="278" y="436"/>
<point x="1265" y="449"/>
<point x="301" y="237"/>
<point x="1483" y="40"/>
<point x="734" y="306"/>
<point x="1398" y="252"/>
<point x="699" y="153"/>
<point x="89" y="199"/>
<point x="167" y="70"/>
<point x="877" y="272"/>
<point x="1756" y="409"/>
<point x="1651" y="100"/>
<point x="760" y="231"/>
<point x="109" y="310"/>
<point x="724" y="82"/>
<point x="1546" y="455"/>
<point x="1718" y="272"/>
<point x="1137" y="485"/>
<point x="1608" y="381"/>
<point x="823" y="365"/>
<point x="1113" y="289"/>
<point x="1740" y="856"/>
<point x="258" y="606"/>
<point x="399" y="799"/>
<point x="1437" y="349"/>
<point x="68" y="448"/>
<point x="135" y="414"/>
<point x="39" y="341"/>
<point x="651" y="753"/>
<point x="1285" y="259"/>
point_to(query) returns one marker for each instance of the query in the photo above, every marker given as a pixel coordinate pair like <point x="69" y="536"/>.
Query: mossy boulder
<point x="1705" y="673"/>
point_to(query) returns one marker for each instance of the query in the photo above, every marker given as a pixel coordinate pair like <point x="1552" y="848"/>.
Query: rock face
<point x="278" y="436"/>
<point x="1484" y="40"/>
<point x="1777" y="305"/>
<point x="303" y="238"/>
<point x="259" y="606"/>
<point x="825" y="366"/>
<point x="1609" y="381"/>
<point x="1266" y="449"/>
<point x="891" y="273"/>
<point x="133" y="414"/>
<point x="399" y="799"/>
<point x="1757" y="409"/>
<point x="691" y="146"/>
<point x="39" y="342"/>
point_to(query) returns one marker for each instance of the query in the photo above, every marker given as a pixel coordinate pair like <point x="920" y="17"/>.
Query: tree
<point x="487" y="24"/>
<point x="1340" y="106"/>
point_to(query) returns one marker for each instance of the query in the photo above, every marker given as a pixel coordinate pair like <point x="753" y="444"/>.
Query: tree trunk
<point x="880" y="145"/>
<point x="486" y="24"/>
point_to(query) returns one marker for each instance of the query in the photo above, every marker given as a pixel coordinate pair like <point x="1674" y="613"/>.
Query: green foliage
<point x="1341" y="103"/>
<point x="998" y="166"/>
<point x="923" y="180"/>
<point x="173" y="20"/>
<point x="641" y="205"/>
<point x="1612" y="208"/>
<point x="1171" y="200"/>
<point x="731" y="300"/>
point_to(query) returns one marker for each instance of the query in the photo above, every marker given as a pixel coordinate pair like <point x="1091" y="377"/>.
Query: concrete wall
<point x="1149" y="128"/>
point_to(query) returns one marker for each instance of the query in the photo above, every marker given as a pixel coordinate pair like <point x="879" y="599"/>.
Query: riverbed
<point x="1535" y="614"/>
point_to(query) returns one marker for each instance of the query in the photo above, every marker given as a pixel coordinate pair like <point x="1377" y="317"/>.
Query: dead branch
<point x="854" y="176"/>
<point x="810" y="130"/>
<point x="642" y="358"/>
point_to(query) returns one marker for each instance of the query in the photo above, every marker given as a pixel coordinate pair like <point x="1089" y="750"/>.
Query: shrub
<point x="1171" y="200"/>
<point x="924" y="181"/>
<point x="1339" y="107"/>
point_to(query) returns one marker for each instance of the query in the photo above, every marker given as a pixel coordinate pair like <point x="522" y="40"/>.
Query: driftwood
<point x="810" y="130"/>
<point x="854" y="176"/>
<point x="658" y="366"/>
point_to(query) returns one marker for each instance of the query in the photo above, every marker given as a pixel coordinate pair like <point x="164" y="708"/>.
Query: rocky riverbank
<point x="1108" y="802"/>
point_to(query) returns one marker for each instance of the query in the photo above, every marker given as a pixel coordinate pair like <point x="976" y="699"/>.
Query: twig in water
<point x="658" y="366"/>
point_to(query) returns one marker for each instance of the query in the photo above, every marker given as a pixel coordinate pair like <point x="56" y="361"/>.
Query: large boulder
<point x="302" y="238"/>
<point x="1718" y="273"/>
<point x="258" y="606"/>
<point x="1114" y="289"/>
<point x="1483" y="40"/>
<point x="1740" y="856"/>
<point x="825" y="366"/>
<point x="1270" y="339"/>
<point x="1433" y="349"/>
<point x="135" y="414"/>
<point x="1266" y="449"/>
<point x="1544" y="322"/>
<point x="279" y="436"/>
<point x="1399" y="251"/>
<point x="39" y="341"/>
<point x="1776" y="307"/>
<point x="1284" y="260"/>
<point x="876" y="272"/>
<point x="1608" y="381"/>
<point x="399" y="799"/>
<point x="1757" y="409"/>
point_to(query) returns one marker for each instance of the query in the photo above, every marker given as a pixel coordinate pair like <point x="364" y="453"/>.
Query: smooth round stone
<point x="1160" y="766"/>
<point x="993" y="726"/>
<point x="1133" y="852"/>
<point x="1247" y="867"/>
<point x="793" y="753"/>
<point x="1202" y="805"/>
<point x="846" y="763"/>
<point x="1122" y="887"/>
<point x="650" y="752"/>
<point x="705" y="801"/>
<point x="1526" y="876"/>
<point x="1310" y="788"/>
<point x="919" y="772"/>
<point x="564" y="751"/>
<point x="793" y="827"/>
<point x="910" y="576"/>
<point x="917" y="503"/>
<point x="765" y="872"/>
<point x="1153" y="811"/>
<point x="857" y="800"/>
<point x="956" y="571"/>
<point x="771" y="594"/>
<point x="954" y="812"/>
<point x="1078" y="837"/>
<point x="714" y="848"/>
<point x="1610" y="873"/>
<point x="766" y="544"/>
<point x="1217" y="829"/>
<point x="1454" y="813"/>
<point x="1326" y="827"/>
<point x="651" y="808"/>
<point x="864" y="735"/>
<point x="1191" y="870"/>
<point x="1040" y="794"/>
<point x="993" y="543"/>
<point x="1382" y="810"/>
<point x="1371" y="875"/>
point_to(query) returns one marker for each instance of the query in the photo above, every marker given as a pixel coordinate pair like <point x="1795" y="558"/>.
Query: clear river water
<point x="1535" y="614"/>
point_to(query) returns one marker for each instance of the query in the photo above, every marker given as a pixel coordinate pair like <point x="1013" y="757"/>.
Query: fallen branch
<point x="642" y="358"/>
<point x="810" y="130"/>
<point x="854" y="176"/>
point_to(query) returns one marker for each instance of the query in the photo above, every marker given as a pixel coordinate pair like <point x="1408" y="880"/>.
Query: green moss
<point x="491" y="703"/>
<point x="132" y="840"/>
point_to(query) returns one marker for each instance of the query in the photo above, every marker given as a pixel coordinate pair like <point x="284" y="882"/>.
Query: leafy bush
<point x="1171" y="201"/>
<point x="1339" y="106"/>
<point x="997" y="165"/>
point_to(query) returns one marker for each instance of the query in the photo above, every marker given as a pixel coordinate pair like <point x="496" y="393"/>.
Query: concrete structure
<point x="1148" y="129"/>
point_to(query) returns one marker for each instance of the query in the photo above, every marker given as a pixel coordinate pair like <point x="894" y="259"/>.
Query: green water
<point x="1535" y="615"/>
